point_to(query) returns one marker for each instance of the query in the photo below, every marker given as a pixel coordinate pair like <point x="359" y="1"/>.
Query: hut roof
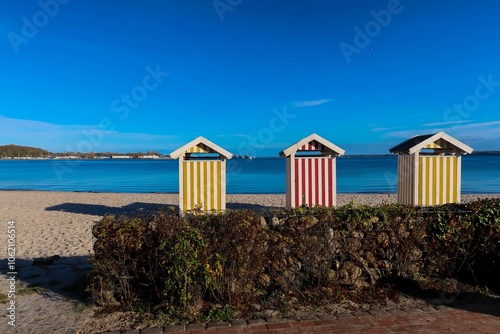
<point x="200" y="145"/>
<point x="313" y="142"/>
<point x="439" y="141"/>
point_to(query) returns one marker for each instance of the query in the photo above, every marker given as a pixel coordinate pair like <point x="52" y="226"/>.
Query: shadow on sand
<point x="138" y="208"/>
<point x="259" y="209"/>
<point x="101" y="210"/>
<point x="468" y="301"/>
<point x="67" y="277"/>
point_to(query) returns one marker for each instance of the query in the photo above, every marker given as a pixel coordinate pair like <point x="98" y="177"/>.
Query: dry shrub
<point x="237" y="250"/>
<point x="191" y="264"/>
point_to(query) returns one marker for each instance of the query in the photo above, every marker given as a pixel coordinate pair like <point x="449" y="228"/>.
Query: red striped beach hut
<point x="311" y="172"/>
<point x="429" y="169"/>
<point x="202" y="176"/>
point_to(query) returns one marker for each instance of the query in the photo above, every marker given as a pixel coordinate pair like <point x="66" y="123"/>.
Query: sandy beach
<point x="60" y="223"/>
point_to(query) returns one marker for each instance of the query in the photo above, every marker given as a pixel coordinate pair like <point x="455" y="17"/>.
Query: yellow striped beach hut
<point x="429" y="169"/>
<point x="202" y="176"/>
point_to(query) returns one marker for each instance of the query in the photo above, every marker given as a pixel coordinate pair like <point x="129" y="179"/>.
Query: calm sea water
<point x="480" y="174"/>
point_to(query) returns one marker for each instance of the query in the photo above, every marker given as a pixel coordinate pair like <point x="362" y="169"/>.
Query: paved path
<point x="472" y="318"/>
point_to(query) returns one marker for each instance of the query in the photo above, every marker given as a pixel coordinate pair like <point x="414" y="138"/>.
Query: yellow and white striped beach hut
<point x="429" y="169"/>
<point x="202" y="176"/>
<point x="311" y="172"/>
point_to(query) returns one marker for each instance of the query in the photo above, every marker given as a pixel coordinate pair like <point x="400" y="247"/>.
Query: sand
<point x="60" y="223"/>
<point x="50" y="223"/>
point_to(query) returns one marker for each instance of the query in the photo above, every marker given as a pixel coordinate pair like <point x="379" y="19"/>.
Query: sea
<point x="355" y="174"/>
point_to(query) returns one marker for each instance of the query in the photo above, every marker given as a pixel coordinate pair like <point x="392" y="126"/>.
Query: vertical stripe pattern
<point x="202" y="185"/>
<point x="312" y="146"/>
<point x="440" y="143"/>
<point x="438" y="180"/>
<point x="312" y="183"/>
<point x="290" y="190"/>
<point x="406" y="185"/>
<point x="200" y="148"/>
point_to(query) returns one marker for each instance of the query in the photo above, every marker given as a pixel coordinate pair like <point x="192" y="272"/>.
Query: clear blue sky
<point x="252" y="76"/>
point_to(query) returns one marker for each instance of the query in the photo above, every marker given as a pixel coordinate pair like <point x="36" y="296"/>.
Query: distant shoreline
<point x="163" y="157"/>
<point x="495" y="194"/>
<point x="358" y="175"/>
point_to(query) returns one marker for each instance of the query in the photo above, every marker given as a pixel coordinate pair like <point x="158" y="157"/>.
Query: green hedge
<point x="203" y="264"/>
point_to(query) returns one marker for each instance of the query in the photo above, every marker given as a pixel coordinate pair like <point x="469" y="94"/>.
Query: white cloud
<point x="237" y="135"/>
<point x="448" y="123"/>
<point x="313" y="103"/>
<point x="380" y="129"/>
<point x="483" y="130"/>
<point x="60" y="137"/>
<point x="482" y="125"/>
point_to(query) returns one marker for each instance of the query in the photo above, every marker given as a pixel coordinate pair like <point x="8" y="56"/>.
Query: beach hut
<point x="429" y="169"/>
<point x="202" y="176"/>
<point x="311" y="172"/>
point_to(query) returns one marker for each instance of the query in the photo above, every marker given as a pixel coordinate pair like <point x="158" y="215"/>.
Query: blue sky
<point x="252" y="76"/>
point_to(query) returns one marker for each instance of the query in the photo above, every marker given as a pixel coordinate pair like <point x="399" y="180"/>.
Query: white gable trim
<point x="295" y="147"/>
<point x="200" y="140"/>
<point x="441" y="135"/>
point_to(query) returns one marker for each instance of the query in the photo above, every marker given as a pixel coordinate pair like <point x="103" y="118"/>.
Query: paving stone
<point x="257" y="328"/>
<point x="397" y="312"/>
<point x="174" y="328"/>
<point x="412" y="310"/>
<point x="383" y="322"/>
<point x="238" y="322"/>
<point x="327" y="316"/>
<point x="308" y="323"/>
<point x="429" y="309"/>
<point x="153" y="330"/>
<point x="361" y="314"/>
<point x="275" y="320"/>
<point x="308" y="317"/>
<point x="196" y="326"/>
<point x="326" y="322"/>
<point x="253" y="322"/>
<point x="293" y="318"/>
<point x="278" y="325"/>
<point x="217" y="324"/>
<point x="228" y="330"/>
<point x="377" y="313"/>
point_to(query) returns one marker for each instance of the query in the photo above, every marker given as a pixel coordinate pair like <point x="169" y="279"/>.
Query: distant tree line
<point x="13" y="151"/>
<point x="17" y="151"/>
